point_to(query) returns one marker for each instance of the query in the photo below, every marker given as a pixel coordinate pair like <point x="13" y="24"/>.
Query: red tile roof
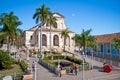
<point x="107" y="38"/>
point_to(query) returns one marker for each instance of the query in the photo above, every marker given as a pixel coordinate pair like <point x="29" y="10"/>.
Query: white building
<point x="32" y="36"/>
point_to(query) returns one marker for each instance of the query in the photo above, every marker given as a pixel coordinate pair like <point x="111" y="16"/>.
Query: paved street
<point x="44" y="74"/>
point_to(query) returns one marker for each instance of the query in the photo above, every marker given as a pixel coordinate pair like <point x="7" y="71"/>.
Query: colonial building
<point x="106" y="51"/>
<point x="32" y="36"/>
<point x="105" y="44"/>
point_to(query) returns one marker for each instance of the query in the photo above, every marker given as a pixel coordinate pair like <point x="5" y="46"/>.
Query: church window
<point x="44" y="40"/>
<point x="56" y="40"/>
<point x="31" y="37"/>
<point x="37" y="39"/>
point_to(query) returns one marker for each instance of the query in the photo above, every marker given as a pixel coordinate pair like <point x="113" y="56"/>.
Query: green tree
<point x="9" y="30"/>
<point x="64" y="34"/>
<point x="51" y="22"/>
<point x="5" y="60"/>
<point x="77" y="40"/>
<point x="19" y="39"/>
<point x="92" y="42"/>
<point x="116" y="44"/>
<point x="41" y="14"/>
<point x="85" y="40"/>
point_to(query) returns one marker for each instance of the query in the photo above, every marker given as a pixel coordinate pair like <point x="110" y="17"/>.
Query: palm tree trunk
<point x="41" y="42"/>
<point x="64" y="44"/>
<point x="50" y="40"/>
<point x="50" y="44"/>
<point x="84" y="50"/>
<point x="8" y="44"/>
<point x="79" y="50"/>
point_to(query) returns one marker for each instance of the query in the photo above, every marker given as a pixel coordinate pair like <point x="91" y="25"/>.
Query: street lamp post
<point x="35" y="71"/>
<point x="92" y="59"/>
<point x="83" y="74"/>
<point x="35" y="67"/>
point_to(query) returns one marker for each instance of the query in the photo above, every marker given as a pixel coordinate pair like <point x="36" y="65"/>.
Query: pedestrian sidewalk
<point x="44" y="74"/>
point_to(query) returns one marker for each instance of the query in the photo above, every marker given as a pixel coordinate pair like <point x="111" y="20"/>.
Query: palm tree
<point x="9" y="30"/>
<point x="41" y="14"/>
<point x="19" y="38"/>
<point x="77" y="40"/>
<point x="64" y="34"/>
<point x="85" y="40"/>
<point x="51" y="22"/>
<point x="3" y="34"/>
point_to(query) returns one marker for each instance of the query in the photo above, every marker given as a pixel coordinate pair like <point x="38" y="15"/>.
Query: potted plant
<point x="107" y="67"/>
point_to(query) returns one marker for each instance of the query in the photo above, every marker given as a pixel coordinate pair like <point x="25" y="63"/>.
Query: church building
<point x="32" y="36"/>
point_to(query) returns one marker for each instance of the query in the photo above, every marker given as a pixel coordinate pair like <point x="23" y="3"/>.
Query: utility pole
<point x="83" y="74"/>
<point x="35" y="67"/>
<point x="35" y="71"/>
<point x="91" y="58"/>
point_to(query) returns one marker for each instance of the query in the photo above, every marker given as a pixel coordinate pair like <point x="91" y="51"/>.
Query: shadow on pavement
<point x="55" y="75"/>
<point x="100" y="69"/>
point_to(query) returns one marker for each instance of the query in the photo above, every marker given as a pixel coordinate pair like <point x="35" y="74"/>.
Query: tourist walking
<point x="74" y="69"/>
<point x="33" y="65"/>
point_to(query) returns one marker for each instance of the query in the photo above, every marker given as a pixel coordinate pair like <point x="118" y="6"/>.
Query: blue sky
<point x="102" y="16"/>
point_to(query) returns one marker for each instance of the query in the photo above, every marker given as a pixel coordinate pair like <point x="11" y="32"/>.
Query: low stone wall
<point x="68" y="69"/>
<point x="28" y="77"/>
<point x="48" y="66"/>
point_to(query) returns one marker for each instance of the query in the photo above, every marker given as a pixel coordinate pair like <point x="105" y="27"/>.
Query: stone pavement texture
<point x="44" y="74"/>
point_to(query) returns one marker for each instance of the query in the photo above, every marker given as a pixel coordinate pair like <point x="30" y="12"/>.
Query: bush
<point x="56" y="57"/>
<point x="23" y="65"/>
<point x="64" y="63"/>
<point x="45" y="52"/>
<point x="55" y="52"/>
<point x="5" y="60"/>
<point x="75" y="60"/>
